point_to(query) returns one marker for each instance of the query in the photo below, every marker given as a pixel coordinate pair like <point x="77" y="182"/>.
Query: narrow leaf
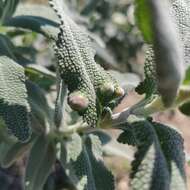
<point x="86" y="169"/>
<point x="37" y="24"/>
<point x="40" y="163"/>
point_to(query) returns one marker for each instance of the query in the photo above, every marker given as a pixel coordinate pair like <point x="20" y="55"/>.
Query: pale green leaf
<point x="85" y="167"/>
<point x="40" y="163"/>
<point x="14" y="107"/>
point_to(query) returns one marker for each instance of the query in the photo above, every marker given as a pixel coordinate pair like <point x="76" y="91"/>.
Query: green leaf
<point x="185" y="108"/>
<point x="166" y="57"/>
<point x="60" y="104"/>
<point x="40" y="75"/>
<point x="14" y="107"/>
<point x="172" y="146"/>
<point x="159" y="160"/>
<point x="37" y="24"/>
<point x="6" y="47"/>
<point x="103" y="178"/>
<point x="186" y="80"/>
<point x="39" y="165"/>
<point x="8" y="7"/>
<point x="83" y="161"/>
<point x="143" y="19"/>
<point x="103" y="136"/>
<point x="149" y="169"/>
<point x="41" y="113"/>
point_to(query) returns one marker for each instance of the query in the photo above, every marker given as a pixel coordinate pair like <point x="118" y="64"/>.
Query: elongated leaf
<point x="60" y="104"/>
<point x="143" y="19"/>
<point x="6" y="47"/>
<point x="40" y="163"/>
<point x="37" y="24"/>
<point x="8" y="8"/>
<point x="14" y="107"/>
<point x="13" y="152"/>
<point x="84" y="164"/>
<point x="159" y="153"/>
<point x="167" y="58"/>
<point x="172" y="146"/>
<point x="41" y="113"/>
<point x="149" y="169"/>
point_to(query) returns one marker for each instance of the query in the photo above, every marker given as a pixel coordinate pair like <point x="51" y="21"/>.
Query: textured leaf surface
<point x="14" y="108"/>
<point x="172" y="146"/>
<point x="180" y="11"/>
<point x="167" y="57"/>
<point x="40" y="163"/>
<point x="84" y="166"/>
<point x="76" y="58"/>
<point x="159" y="160"/>
<point x="149" y="169"/>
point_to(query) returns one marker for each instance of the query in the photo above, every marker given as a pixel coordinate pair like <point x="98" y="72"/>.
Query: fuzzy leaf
<point x="14" y="107"/>
<point x="85" y="167"/>
<point x="40" y="163"/>
<point x="75" y="58"/>
<point x="180" y="11"/>
<point x="172" y="146"/>
<point x="149" y="169"/>
<point x="159" y="153"/>
<point x="166" y="57"/>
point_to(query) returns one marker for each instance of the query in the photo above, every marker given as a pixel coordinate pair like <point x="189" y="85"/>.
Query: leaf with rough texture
<point x="84" y="165"/>
<point x="149" y="169"/>
<point x="75" y="58"/>
<point x="167" y="57"/>
<point x="40" y="162"/>
<point x="159" y="160"/>
<point x="14" y="107"/>
<point x="172" y="146"/>
<point x="180" y="12"/>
